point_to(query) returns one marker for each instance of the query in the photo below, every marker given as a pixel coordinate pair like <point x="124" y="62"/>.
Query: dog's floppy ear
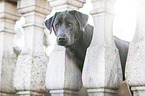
<point x="81" y="18"/>
<point x="49" y="22"/>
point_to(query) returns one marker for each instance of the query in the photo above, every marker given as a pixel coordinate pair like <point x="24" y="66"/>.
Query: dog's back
<point x="123" y="51"/>
<point x="88" y="34"/>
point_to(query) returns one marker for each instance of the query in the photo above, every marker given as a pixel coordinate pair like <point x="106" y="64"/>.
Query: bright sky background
<point x="124" y="21"/>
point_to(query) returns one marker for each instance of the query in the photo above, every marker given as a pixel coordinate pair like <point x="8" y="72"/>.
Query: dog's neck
<point x="79" y="47"/>
<point x="78" y="51"/>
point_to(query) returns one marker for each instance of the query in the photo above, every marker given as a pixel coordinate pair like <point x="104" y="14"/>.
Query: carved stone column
<point x="63" y="78"/>
<point x="29" y="77"/>
<point x="102" y="74"/>
<point x="8" y="17"/>
<point x="135" y="68"/>
<point x="61" y="5"/>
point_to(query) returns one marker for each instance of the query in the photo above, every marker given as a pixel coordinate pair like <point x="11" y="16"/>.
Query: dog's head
<point x="68" y="26"/>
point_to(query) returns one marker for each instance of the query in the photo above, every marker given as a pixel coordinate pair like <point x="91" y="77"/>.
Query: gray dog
<point x="75" y="35"/>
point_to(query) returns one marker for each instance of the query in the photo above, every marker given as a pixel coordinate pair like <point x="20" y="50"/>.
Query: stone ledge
<point x="76" y="3"/>
<point x="101" y="10"/>
<point x="5" y="15"/>
<point x="34" y="8"/>
<point x="138" y="88"/>
<point x="7" y="31"/>
<point x="34" y="25"/>
<point x="6" y="94"/>
<point x="63" y="92"/>
<point x="102" y="90"/>
<point x="30" y="92"/>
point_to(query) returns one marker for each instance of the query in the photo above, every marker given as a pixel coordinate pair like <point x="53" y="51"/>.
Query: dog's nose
<point x="62" y="38"/>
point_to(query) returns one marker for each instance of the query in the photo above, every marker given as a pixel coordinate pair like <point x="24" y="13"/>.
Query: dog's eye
<point x="57" y="25"/>
<point x="70" y="25"/>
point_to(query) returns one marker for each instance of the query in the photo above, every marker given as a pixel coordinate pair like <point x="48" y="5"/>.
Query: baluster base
<point x="102" y="92"/>
<point x="138" y="91"/>
<point x="6" y="94"/>
<point x="63" y="93"/>
<point x="29" y="93"/>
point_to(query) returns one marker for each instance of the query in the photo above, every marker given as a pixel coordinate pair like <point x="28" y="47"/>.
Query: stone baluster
<point x="29" y="76"/>
<point x="61" y="5"/>
<point x="8" y="17"/>
<point x="63" y="78"/>
<point x="102" y="73"/>
<point x="135" y="68"/>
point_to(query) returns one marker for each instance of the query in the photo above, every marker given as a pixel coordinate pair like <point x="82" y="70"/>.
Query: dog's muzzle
<point x="61" y="40"/>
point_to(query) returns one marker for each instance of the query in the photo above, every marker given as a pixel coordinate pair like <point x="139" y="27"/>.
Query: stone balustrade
<point x="7" y="56"/>
<point x="32" y="75"/>
<point x="30" y="71"/>
<point x="135" y="67"/>
<point x="66" y="71"/>
<point x="61" y="5"/>
<point x="102" y="74"/>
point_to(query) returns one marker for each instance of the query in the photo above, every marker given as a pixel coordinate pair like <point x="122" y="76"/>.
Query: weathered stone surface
<point x="40" y="6"/>
<point x="135" y="67"/>
<point x="102" y="74"/>
<point x="63" y="78"/>
<point x="30" y="71"/>
<point x="61" y="5"/>
<point x="31" y="64"/>
<point x="8" y="16"/>
<point x="29" y="76"/>
<point x="66" y="71"/>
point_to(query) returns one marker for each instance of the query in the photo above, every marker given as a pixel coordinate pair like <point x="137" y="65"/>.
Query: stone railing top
<point x="74" y="4"/>
<point x="41" y="6"/>
<point x="68" y="0"/>
<point x="101" y="6"/>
